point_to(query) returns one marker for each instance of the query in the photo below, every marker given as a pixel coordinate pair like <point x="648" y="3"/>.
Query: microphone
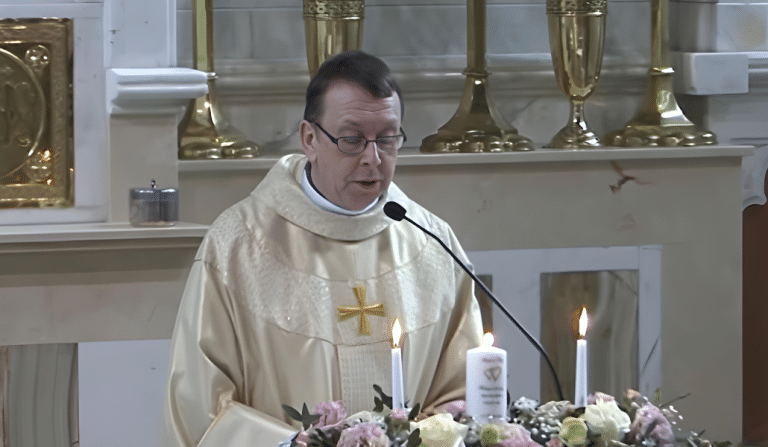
<point x="395" y="211"/>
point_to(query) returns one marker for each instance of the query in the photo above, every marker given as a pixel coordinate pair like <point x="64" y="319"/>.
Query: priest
<point x="294" y="290"/>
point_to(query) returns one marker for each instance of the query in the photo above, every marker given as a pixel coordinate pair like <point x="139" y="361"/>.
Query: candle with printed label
<point x="398" y="389"/>
<point x="487" y="381"/>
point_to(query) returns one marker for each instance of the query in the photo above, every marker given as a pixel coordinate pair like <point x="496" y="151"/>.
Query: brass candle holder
<point x="660" y="121"/>
<point x="204" y="132"/>
<point x="331" y="27"/>
<point x="476" y="126"/>
<point x="576" y="39"/>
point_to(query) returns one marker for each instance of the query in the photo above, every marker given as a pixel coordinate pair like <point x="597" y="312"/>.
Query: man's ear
<point x="308" y="140"/>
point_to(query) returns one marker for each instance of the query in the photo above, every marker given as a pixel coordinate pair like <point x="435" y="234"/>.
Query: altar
<point x="83" y="275"/>
<point x="580" y="201"/>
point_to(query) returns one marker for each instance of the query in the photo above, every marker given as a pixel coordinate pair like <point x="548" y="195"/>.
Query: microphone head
<point x="394" y="211"/>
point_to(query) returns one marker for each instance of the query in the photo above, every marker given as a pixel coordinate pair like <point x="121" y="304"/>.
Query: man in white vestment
<point x="294" y="290"/>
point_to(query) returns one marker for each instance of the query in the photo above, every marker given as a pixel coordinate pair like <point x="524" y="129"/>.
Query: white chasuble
<point x="289" y="304"/>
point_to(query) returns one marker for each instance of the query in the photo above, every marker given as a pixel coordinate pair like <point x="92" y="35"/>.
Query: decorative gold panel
<point x="36" y="137"/>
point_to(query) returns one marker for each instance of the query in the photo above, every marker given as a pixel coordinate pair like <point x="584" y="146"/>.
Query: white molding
<point x="719" y="73"/>
<point x="94" y="236"/>
<point x="153" y="90"/>
<point x="411" y="156"/>
<point x="710" y="73"/>
<point x="753" y="171"/>
<point x="758" y="70"/>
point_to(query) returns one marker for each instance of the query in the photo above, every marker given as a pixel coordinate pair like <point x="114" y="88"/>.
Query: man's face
<point x="351" y="181"/>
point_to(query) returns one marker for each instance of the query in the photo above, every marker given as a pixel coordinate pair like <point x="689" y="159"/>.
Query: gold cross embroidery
<point x="362" y="310"/>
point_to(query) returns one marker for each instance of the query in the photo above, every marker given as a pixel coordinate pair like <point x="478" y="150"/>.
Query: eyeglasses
<point x="356" y="145"/>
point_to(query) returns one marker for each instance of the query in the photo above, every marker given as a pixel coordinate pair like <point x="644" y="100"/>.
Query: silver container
<point x="169" y="205"/>
<point x="153" y="207"/>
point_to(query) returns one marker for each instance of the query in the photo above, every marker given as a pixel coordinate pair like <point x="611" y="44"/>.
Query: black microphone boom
<point x="395" y="211"/>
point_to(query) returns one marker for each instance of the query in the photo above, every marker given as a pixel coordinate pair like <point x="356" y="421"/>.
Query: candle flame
<point x="583" y="322"/>
<point x="396" y="332"/>
<point x="488" y="340"/>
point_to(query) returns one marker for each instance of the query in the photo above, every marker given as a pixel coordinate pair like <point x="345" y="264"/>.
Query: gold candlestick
<point x="660" y="121"/>
<point x="476" y="126"/>
<point x="576" y="38"/>
<point x="204" y="132"/>
<point x="331" y="27"/>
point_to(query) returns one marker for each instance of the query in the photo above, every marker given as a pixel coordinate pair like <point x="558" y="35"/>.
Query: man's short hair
<point x="358" y="67"/>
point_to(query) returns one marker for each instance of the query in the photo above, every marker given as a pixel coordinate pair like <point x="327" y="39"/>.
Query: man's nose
<point x="370" y="154"/>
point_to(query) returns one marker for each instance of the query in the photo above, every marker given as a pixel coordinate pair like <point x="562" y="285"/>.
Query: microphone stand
<point x="493" y="298"/>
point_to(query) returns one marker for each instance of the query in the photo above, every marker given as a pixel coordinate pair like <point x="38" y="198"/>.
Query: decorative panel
<point x="36" y="141"/>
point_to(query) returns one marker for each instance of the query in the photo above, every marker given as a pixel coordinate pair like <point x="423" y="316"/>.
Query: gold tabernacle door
<point x="36" y="136"/>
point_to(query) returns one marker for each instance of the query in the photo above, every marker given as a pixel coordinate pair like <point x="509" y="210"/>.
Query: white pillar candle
<point x="398" y="389"/>
<point x="487" y="381"/>
<point x="580" y="395"/>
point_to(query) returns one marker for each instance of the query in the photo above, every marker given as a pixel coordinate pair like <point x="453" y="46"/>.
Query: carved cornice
<point x="334" y="9"/>
<point x="153" y="90"/>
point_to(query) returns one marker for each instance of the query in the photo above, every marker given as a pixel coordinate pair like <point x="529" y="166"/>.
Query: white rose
<point x="365" y="416"/>
<point x="441" y="430"/>
<point x="607" y="419"/>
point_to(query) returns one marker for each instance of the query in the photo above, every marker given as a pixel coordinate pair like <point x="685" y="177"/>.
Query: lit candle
<point x="487" y="381"/>
<point x="580" y="398"/>
<point x="398" y="393"/>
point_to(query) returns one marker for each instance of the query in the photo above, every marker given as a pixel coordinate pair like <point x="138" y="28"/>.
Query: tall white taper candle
<point x="580" y="395"/>
<point x="398" y="391"/>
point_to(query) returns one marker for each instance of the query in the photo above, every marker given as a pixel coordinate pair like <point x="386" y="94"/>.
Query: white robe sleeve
<point x="204" y="393"/>
<point x="464" y="332"/>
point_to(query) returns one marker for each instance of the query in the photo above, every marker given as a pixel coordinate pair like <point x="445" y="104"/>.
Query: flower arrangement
<point x="603" y="422"/>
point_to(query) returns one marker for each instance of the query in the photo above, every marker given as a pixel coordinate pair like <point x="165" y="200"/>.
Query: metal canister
<point x="144" y="206"/>
<point x="169" y="205"/>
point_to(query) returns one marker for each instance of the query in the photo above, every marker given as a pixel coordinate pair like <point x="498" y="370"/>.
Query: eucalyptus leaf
<point x="414" y="412"/>
<point x="292" y="412"/>
<point x="414" y="440"/>
<point x="306" y="418"/>
<point x="387" y="400"/>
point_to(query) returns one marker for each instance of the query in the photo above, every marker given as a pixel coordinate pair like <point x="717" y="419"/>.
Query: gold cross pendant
<point x="362" y="310"/>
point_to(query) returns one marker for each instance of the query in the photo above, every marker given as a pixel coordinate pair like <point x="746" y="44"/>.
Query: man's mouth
<point x="367" y="183"/>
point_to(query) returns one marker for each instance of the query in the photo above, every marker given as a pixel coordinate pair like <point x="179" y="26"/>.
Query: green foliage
<point x="414" y="412"/>
<point x="383" y="400"/>
<point x="414" y="440"/>
<point x="305" y="417"/>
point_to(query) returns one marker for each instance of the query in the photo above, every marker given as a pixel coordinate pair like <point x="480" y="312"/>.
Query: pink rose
<point x="592" y="398"/>
<point x="554" y="442"/>
<point x="515" y="435"/>
<point x="302" y="439"/>
<point x="399" y="414"/>
<point x="456" y="408"/>
<point x="331" y="413"/>
<point x="366" y="434"/>
<point x="650" y="422"/>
